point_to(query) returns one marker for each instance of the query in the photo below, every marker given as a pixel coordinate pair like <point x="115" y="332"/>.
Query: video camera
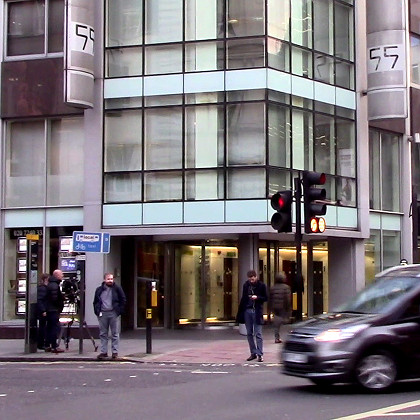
<point x="71" y="290"/>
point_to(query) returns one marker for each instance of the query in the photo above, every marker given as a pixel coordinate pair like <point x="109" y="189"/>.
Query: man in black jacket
<point x="55" y="304"/>
<point x="108" y="304"/>
<point x="254" y="294"/>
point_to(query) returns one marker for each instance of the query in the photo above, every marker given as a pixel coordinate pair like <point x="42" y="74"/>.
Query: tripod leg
<point x="90" y="336"/>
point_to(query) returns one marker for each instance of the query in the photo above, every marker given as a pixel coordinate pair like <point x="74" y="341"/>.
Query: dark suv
<point x="373" y="339"/>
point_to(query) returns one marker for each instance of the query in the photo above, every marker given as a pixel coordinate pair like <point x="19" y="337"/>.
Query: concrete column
<point x="346" y="269"/>
<point x="248" y="257"/>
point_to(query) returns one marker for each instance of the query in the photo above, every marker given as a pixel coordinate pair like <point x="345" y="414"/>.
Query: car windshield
<point x="379" y="296"/>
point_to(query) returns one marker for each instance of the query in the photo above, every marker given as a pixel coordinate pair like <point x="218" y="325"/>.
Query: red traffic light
<point x="282" y="201"/>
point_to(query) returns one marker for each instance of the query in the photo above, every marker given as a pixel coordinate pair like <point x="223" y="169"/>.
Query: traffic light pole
<point x="298" y="242"/>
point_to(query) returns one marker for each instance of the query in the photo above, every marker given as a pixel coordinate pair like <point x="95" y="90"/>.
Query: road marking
<point x="3" y="395"/>
<point x="203" y="371"/>
<point x="380" y="411"/>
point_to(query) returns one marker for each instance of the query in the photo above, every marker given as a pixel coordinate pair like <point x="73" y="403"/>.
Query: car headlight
<point x="340" y="334"/>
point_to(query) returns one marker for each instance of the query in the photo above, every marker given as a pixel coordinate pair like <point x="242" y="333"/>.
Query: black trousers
<point x="42" y="332"/>
<point x="53" y="328"/>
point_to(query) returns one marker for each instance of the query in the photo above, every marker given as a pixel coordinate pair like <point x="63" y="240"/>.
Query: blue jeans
<point x="108" y="320"/>
<point x="253" y="333"/>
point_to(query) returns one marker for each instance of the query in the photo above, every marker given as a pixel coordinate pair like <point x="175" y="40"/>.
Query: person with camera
<point x="54" y="306"/>
<point x="108" y="304"/>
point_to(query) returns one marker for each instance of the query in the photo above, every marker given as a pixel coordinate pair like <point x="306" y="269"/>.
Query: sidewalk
<point x="211" y="345"/>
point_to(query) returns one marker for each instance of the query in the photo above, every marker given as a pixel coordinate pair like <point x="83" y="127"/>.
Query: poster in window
<point x="20" y="307"/>
<point x="21" y="286"/>
<point x="21" y="265"/>
<point x="21" y="245"/>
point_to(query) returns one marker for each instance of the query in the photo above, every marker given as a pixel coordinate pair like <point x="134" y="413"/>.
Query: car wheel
<point x="376" y="371"/>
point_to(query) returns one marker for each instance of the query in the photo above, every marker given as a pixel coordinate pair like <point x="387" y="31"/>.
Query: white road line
<point x="381" y="411"/>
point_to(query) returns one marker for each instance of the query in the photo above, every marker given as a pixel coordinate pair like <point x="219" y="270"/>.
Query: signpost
<point x="91" y="242"/>
<point x="87" y="242"/>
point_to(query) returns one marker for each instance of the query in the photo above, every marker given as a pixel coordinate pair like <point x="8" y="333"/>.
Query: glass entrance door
<point x="206" y="283"/>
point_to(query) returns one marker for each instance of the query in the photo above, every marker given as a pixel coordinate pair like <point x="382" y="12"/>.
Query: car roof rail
<point x="406" y="269"/>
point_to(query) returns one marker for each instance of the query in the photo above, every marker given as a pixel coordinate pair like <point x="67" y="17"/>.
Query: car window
<point x="380" y="296"/>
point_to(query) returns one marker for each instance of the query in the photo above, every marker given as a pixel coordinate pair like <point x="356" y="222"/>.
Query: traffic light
<point x="312" y="209"/>
<point x="282" y="201"/>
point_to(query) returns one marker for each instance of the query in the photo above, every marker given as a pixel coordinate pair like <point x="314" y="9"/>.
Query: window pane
<point x="204" y="185"/>
<point x="278" y="54"/>
<point x="204" y="136"/>
<point x="324" y="144"/>
<point x="346" y="148"/>
<point x="374" y="170"/>
<point x="415" y="59"/>
<point x="279" y="180"/>
<point x="346" y="192"/>
<point x="123" y="131"/>
<point x="324" y="68"/>
<point x="25" y="165"/>
<point x="246" y="183"/>
<point x="55" y="26"/>
<point x="65" y="177"/>
<point x="323" y="28"/>
<point x="122" y="188"/>
<point x="163" y="138"/>
<point x="279" y="136"/>
<point x="279" y="19"/>
<point x="343" y="24"/>
<point x="301" y="62"/>
<point x="246" y="134"/>
<point x="125" y="22"/>
<point x="203" y="19"/>
<point x="26" y="28"/>
<point x="303" y="150"/>
<point x="391" y="248"/>
<point x="163" y="186"/>
<point x="163" y="60"/>
<point x="123" y="62"/>
<point x="245" y="53"/>
<point x="163" y="21"/>
<point x="344" y="74"/>
<point x="245" y="18"/>
<point x="390" y="172"/>
<point x="302" y="22"/>
<point x="373" y="254"/>
<point x="204" y="56"/>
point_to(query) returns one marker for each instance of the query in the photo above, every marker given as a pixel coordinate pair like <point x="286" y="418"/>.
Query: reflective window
<point x="122" y="187"/>
<point x="415" y="59"/>
<point x="203" y="19"/>
<point x="246" y="134"/>
<point x="245" y="18"/>
<point x="163" y="21"/>
<point x="324" y="144"/>
<point x="278" y="19"/>
<point x="122" y="62"/>
<point x="343" y="27"/>
<point x="384" y="170"/>
<point x="123" y="134"/>
<point x="35" y="27"/>
<point x="204" y="185"/>
<point x="302" y="62"/>
<point x="44" y="163"/>
<point x="301" y="19"/>
<point x="163" y="186"/>
<point x="278" y="54"/>
<point x="204" y="145"/>
<point x="252" y="188"/>
<point x="163" y="138"/>
<point x="204" y="56"/>
<point x="163" y="59"/>
<point x="279" y="153"/>
<point x="124" y="22"/>
<point x="246" y="53"/>
<point x="323" y="33"/>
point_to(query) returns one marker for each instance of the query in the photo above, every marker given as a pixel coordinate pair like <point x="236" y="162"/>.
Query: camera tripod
<point x="65" y="332"/>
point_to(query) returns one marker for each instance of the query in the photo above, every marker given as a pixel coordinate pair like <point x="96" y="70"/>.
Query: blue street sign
<point x="91" y="242"/>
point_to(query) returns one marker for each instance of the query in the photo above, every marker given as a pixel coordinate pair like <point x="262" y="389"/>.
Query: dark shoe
<point x="115" y="355"/>
<point x="260" y="359"/>
<point x="252" y="357"/>
<point x="47" y="349"/>
<point x="57" y="350"/>
<point x="102" y="356"/>
<point x="277" y="341"/>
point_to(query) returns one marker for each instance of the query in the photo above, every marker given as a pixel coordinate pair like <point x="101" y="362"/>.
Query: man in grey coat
<point x="280" y="304"/>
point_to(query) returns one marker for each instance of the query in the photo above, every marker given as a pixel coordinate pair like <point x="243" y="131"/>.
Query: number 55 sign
<point x="386" y="58"/>
<point x="79" y="57"/>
